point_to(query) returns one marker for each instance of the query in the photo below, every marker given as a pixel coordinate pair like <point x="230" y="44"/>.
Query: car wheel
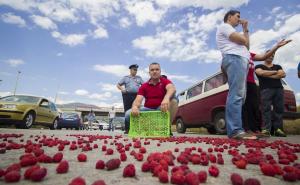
<point x="54" y="126"/>
<point x="219" y="122"/>
<point x="180" y="127"/>
<point x="28" y="120"/>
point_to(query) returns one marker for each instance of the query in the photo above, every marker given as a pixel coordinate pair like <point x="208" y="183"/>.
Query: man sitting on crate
<point x="158" y="93"/>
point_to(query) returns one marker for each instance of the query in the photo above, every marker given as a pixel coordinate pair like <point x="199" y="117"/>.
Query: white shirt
<point x="228" y="47"/>
<point x="112" y="113"/>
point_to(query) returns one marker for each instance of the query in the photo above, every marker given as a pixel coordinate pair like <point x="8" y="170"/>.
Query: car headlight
<point x="9" y="106"/>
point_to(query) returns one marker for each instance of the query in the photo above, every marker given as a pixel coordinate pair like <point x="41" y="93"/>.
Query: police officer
<point x="129" y="86"/>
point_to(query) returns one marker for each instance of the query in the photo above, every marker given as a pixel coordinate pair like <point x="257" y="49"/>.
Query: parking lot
<point x="188" y="143"/>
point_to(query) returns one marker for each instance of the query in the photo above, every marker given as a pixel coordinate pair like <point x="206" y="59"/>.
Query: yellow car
<point x="24" y="111"/>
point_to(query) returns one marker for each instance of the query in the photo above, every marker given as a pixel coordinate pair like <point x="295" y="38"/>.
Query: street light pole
<point x="17" y="82"/>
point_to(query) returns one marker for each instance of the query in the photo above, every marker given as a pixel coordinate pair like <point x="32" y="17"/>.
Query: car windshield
<point x="20" y="99"/>
<point x="69" y="115"/>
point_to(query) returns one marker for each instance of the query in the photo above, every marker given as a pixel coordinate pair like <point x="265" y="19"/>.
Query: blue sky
<point x="80" y="49"/>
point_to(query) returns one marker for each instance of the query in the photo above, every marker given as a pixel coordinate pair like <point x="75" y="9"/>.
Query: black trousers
<point x="272" y="97"/>
<point x="250" y="112"/>
<point x="128" y="99"/>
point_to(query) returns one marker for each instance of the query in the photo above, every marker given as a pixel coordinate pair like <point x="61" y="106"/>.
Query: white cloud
<point x="145" y="12"/>
<point x="14" y="62"/>
<point x="108" y="87"/>
<point x="57" y="10"/>
<point x="183" y="41"/>
<point x="117" y="70"/>
<point x="103" y="96"/>
<point x="96" y="11"/>
<point x="63" y="93"/>
<point x="13" y="19"/>
<point x="100" y="33"/>
<point x="205" y="4"/>
<point x="262" y="38"/>
<point x="289" y="56"/>
<point x="122" y="70"/>
<point x="59" y="54"/>
<point x="24" y="5"/>
<point x="124" y="22"/>
<point x="288" y="28"/>
<point x="275" y="9"/>
<point x="71" y="39"/>
<point x="81" y="92"/>
<point x="182" y="78"/>
<point x="44" y="22"/>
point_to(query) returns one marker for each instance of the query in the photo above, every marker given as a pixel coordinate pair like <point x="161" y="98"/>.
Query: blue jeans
<point x="111" y="124"/>
<point x="236" y="68"/>
<point x="127" y="114"/>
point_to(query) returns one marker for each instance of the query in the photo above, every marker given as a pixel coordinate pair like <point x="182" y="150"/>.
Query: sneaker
<point x="279" y="133"/>
<point x="265" y="133"/>
<point x="244" y="136"/>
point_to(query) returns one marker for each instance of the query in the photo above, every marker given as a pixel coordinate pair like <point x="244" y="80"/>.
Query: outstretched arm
<point x="261" y="57"/>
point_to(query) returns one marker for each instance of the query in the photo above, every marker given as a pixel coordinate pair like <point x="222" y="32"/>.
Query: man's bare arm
<point x="242" y="39"/>
<point x="238" y="38"/>
<point x="166" y="101"/>
<point x="261" y="57"/>
<point x="264" y="73"/>
<point x="121" y="88"/>
<point x="280" y="74"/>
<point x="136" y="105"/>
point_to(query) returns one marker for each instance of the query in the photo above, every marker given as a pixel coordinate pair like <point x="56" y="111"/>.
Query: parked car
<point x="96" y="124"/>
<point x="103" y="125"/>
<point x="69" y="120"/>
<point x="25" y="111"/>
<point x="203" y="105"/>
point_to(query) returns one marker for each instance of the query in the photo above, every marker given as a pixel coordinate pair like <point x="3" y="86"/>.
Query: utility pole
<point x="56" y="94"/>
<point x="16" y="82"/>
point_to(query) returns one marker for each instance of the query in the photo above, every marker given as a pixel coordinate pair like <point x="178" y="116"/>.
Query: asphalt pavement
<point x="188" y="143"/>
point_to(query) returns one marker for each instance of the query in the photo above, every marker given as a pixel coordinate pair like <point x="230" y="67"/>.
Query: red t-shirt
<point x="250" y="77"/>
<point x="154" y="94"/>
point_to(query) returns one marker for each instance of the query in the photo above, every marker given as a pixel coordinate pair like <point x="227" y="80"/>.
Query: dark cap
<point x="133" y="66"/>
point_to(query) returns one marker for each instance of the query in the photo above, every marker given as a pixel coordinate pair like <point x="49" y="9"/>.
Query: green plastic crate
<point x="150" y="124"/>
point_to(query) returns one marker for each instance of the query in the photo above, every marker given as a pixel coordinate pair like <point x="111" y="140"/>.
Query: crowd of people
<point x="243" y="119"/>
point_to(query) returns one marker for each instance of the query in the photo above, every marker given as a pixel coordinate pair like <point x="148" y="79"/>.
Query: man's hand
<point x="282" y="43"/>
<point x="135" y="111"/>
<point x="281" y="73"/>
<point x="244" y="24"/>
<point x="164" y="106"/>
